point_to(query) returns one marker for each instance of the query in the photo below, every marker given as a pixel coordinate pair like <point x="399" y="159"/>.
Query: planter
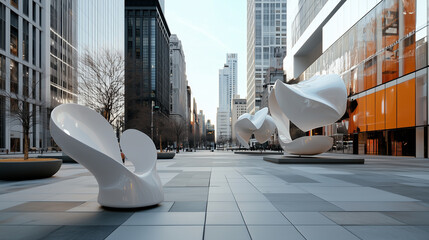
<point x="62" y="156"/>
<point x="19" y="169"/>
<point x="166" y="155"/>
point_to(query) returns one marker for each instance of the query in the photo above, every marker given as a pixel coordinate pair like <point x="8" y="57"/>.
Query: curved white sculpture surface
<point x="310" y="104"/>
<point x="88" y="138"/>
<point x="261" y="125"/>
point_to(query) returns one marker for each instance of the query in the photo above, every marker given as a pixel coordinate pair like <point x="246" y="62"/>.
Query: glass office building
<point x="147" y="64"/>
<point x="266" y="38"/>
<point x="383" y="60"/>
<point x="21" y="70"/>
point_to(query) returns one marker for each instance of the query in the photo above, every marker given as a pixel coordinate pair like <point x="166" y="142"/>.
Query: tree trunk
<point x="26" y="143"/>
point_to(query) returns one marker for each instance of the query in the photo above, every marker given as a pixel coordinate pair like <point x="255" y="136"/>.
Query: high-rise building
<point x="379" y="48"/>
<point x="62" y="35"/>
<point x="228" y="82"/>
<point x="202" y="122"/>
<point x="38" y="61"/>
<point x="238" y="108"/>
<point x="223" y="126"/>
<point x="100" y="26"/>
<point x="22" y="70"/>
<point x="266" y="44"/>
<point x="178" y="80"/>
<point x="147" y="65"/>
<point x="227" y="89"/>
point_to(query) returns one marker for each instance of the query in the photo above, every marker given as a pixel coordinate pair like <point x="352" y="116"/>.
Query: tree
<point x="19" y="110"/>
<point x="101" y="83"/>
<point x="178" y="127"/>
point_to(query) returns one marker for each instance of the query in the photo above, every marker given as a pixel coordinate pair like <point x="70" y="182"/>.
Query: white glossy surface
<point x="261" y="125"/>
<point x="88" y="138"/>
<point x="309" y="145"/>
<point x="310" y="104"/>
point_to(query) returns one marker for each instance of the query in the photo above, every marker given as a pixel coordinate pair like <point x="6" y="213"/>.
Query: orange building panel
<point x="370" y="112"/>
<point x="380" y="110"/>
<point x="406" y="104"/>
<point x="391" y="107"/>
<point x="361" y="111"/>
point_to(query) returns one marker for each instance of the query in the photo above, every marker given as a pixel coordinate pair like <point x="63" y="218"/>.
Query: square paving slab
<point x="222" y="195"/>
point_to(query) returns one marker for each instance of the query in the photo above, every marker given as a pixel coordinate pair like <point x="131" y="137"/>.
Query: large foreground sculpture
<point x="261" y="125"/>
<point x="88" y="138"/>
<point x="310" y="104"/>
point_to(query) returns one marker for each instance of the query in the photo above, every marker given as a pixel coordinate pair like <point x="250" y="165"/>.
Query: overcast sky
<point x="209" y="29"/>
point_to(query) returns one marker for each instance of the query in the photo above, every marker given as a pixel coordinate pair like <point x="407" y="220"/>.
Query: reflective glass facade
<point x="20" y="70"/>
<point x="383" y="61"/>
<point x="63" y="52"/>
<point x="147" y="63"/>
<point x="266" y="45"/>
<point x="308" y="10"/>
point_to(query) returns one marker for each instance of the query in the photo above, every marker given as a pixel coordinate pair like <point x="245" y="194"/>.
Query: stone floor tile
<point x="307" y="218"/>
<point x="226" y="233"/>
<point x="224" y="218"/>
<point x="157" y="232"/>
<point x="325" y="233"/>
<point x="274" y="233"/>
<point x="265" y="218"/>
<point x="166" y="218"/>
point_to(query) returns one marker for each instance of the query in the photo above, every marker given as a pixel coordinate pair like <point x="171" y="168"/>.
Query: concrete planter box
<point x="25" y="170"/>
<point x="62" y="156"/>
<point x="166" y="155"/>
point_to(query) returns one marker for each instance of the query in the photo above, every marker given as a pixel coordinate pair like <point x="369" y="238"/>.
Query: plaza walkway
<point x="221" y="195"/>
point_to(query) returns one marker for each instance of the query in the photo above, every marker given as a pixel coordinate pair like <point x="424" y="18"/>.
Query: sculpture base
<point x="316" y="159"/>
<point x="258" y="152"/>
<point x="166" y="155"/>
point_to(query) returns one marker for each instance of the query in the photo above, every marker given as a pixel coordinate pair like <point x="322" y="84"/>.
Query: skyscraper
<point x="266" y="44"/>
<point x="147" y="64"/>
<point x="63" y="83"/>
<point x="227" y="89"/>
<point x="178" y="79"/>
<point x="38" y="63"/>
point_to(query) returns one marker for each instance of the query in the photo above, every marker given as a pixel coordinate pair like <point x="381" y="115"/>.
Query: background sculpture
<point x="310" y="104"/>
<point x="260" y="124"/>
<point x="88" y="138"/>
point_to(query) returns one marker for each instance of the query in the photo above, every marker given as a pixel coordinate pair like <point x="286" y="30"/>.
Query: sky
<point x="209" y="29"/>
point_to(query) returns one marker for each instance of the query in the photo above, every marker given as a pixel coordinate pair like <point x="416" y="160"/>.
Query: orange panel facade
<point x="370" y="112"/>
<point x="380" y="114"/>
<point x="406" y="104"/>
<point x="391" y="107"/>
<point x="361" y="110"/>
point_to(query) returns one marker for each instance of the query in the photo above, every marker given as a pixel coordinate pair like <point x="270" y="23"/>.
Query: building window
<point x="35" y="10"/>
<point x="152" y="53"/>
<point x="25" y="7"/>
<point x="2" y="122"/>
<point x="14" y="3"/>
<point x="33" y="85"/>
<point x="2" y="72"/>
<point x="25" y="42"/>
<point x="2" y="26"/>
<point x="14" y="34"/>
<point x="34" y="46"/>
<point x="25" y="80"/>
<point x="14" y="84"/>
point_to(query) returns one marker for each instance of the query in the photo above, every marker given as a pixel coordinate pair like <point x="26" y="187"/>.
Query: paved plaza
<point x="221" y="195"/>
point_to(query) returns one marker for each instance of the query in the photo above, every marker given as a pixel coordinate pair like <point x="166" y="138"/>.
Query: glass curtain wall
<point x="382" y="60"/>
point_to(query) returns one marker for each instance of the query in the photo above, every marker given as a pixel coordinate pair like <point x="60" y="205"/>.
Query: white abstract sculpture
<point x="261" y="124"/>
<point x="310" y="104"/>
<point x="88" y="138"/>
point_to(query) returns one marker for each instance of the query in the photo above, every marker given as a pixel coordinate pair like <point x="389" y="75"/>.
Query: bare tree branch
<point x="101" y="83"/>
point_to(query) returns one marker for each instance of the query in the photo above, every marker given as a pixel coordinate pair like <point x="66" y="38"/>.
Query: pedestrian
<point x="123" y="157"/>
